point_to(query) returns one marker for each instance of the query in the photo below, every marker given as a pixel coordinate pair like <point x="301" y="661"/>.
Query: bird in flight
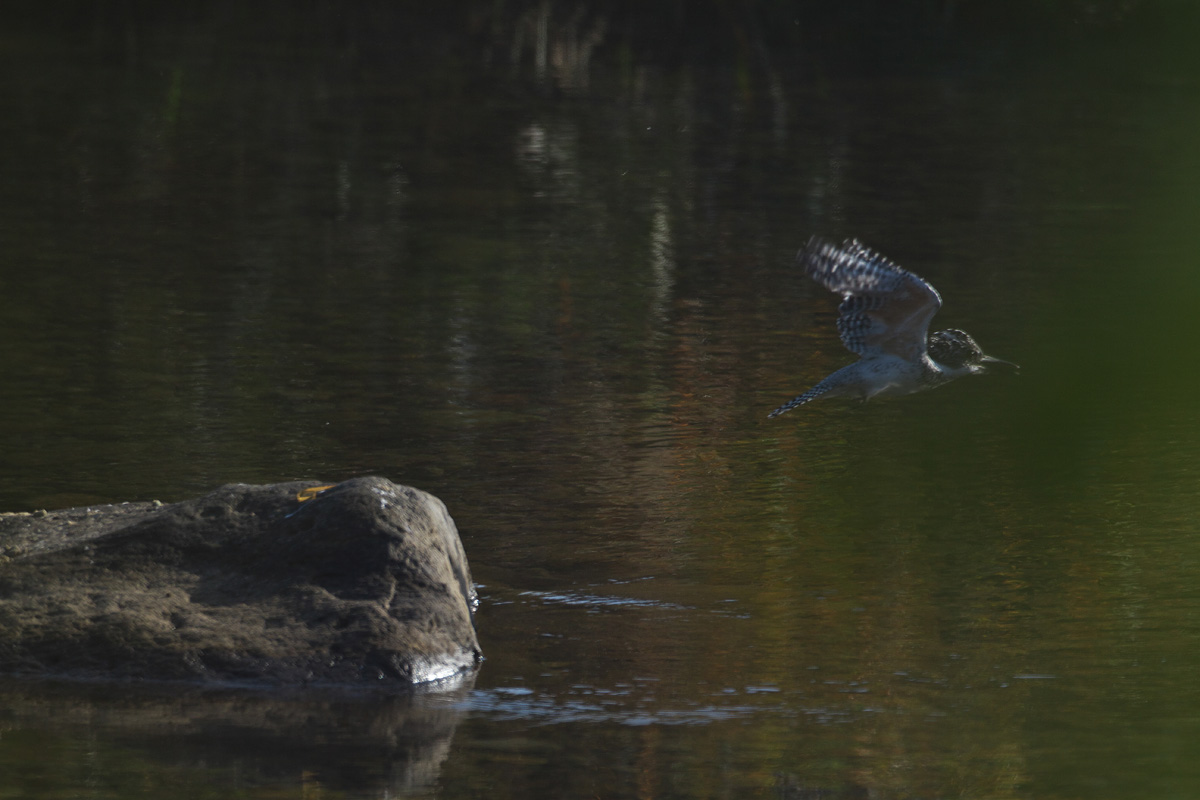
<point x="884" y="318"/>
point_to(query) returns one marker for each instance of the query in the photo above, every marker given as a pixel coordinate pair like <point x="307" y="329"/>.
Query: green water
<point x="551" y="281"/>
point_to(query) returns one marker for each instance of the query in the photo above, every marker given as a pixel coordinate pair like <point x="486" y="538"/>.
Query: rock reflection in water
<point x="356" y="742"/>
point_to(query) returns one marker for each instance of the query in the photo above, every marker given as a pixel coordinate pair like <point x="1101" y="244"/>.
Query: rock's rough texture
<point x="365" y="583"/>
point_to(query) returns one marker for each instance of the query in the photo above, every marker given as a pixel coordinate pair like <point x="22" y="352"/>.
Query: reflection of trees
<point x="561" y="45"/>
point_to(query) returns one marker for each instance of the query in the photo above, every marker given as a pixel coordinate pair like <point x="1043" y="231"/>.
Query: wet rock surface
<point x="365" y="583"/>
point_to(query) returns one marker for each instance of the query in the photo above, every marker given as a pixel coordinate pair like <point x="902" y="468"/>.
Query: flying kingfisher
<point x="884" y="317"/>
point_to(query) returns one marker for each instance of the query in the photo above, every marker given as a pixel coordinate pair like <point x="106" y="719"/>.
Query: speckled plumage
<point x="884" y="317"/>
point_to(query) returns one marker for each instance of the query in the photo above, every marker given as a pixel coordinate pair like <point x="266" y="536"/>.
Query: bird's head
<point x="957" y="350"/>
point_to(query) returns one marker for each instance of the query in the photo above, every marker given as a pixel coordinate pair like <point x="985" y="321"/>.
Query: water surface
<point x="539" y="262"/>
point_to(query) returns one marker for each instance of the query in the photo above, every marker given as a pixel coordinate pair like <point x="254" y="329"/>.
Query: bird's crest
<point x="954" y="348"/>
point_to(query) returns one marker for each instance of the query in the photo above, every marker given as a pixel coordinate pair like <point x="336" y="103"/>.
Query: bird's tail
<point x="812" y="394"/>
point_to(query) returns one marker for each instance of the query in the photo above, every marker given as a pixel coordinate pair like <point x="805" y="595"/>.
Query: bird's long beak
<point x="991" y="360"/>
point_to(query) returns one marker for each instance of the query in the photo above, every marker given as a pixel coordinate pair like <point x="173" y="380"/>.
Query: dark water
<point x="537" y="259"/>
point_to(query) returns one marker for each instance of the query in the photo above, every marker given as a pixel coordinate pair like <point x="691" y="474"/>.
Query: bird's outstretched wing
<point x="884" y="309"/>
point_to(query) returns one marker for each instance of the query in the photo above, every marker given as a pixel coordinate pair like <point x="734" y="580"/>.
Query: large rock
<point x="365" y="583"/>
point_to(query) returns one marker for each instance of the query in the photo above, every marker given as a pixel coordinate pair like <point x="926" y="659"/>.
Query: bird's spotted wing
<point x="884" y="309"/>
